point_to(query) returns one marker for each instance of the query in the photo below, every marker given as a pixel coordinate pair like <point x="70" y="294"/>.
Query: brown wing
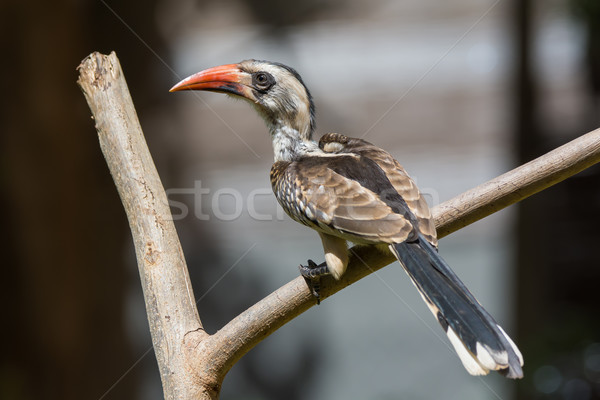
<point x="409" y="191"/>
<point x="395" y="173"/>
<point x="330" y="194"/>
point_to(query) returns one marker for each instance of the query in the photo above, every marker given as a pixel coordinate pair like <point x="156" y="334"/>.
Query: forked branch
<point x="193" y="363"/>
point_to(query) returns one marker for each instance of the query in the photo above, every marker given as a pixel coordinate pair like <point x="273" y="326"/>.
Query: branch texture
<point x="168" y="295"/>
<point x="193" y="363"/>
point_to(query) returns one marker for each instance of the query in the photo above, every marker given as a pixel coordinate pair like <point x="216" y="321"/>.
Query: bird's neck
<point x="289" y="143"/>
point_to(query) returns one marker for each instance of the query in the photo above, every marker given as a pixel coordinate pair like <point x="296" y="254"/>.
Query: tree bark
<point x="170" y="303"/>
<point x="193" y="363"/>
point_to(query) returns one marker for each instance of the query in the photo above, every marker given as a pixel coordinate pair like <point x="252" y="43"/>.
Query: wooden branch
<point x="193" y="363"/>
<point x="168" y="295"/>
<point x="518" y="184"/>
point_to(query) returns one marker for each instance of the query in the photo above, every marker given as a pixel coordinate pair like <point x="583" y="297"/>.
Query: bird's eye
<point x="263" y="80"/>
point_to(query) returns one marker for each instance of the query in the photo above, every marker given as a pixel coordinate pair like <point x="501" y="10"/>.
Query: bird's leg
<point x="313" y="273"/>
<point x="336" y="254"/>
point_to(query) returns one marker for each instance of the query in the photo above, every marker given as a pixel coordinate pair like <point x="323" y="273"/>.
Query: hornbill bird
<point x="347" y="189"/>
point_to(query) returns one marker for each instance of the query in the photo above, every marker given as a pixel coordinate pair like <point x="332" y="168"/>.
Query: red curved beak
<point x="225" y="78"/>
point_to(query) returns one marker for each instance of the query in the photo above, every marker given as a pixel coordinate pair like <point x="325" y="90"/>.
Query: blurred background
<point x="459" y="91"/>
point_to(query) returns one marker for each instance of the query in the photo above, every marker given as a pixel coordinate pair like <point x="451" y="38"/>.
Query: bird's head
<point x="276" y="90"/>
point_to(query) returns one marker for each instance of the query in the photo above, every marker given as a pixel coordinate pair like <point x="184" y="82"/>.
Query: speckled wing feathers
<point x="355" y="191"/>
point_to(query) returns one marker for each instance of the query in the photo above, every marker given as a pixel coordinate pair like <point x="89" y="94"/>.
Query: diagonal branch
<point x="193" y="363"/>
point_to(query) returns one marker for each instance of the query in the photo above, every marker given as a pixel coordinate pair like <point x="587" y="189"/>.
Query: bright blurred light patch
<point x="482" y="58"/>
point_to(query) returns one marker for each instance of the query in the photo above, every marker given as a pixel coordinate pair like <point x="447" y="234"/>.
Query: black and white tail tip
<point x="481" y="344"/>
<point x="486" y="359"/>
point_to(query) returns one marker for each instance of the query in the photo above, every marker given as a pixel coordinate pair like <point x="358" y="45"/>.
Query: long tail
<point x="480" y="342"/>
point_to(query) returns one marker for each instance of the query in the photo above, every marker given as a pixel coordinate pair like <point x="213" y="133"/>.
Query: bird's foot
<point x="313" y="273"/>
<point x="312" y="270"/>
